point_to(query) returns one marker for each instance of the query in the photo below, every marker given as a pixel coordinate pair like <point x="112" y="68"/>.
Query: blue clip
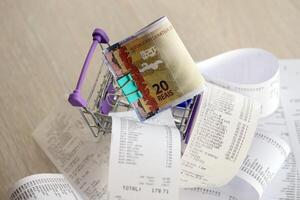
<point x="129" y="88"/>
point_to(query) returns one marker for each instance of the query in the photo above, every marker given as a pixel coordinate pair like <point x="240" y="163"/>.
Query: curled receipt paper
<point x="242" y="87"/>
<point x="251" y="72"/>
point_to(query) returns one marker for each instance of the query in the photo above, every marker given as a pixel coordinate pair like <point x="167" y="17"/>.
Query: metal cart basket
<point x="106" y="96"/>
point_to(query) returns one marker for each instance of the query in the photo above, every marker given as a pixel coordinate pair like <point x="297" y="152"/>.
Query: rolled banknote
<point x="154" y="69"/>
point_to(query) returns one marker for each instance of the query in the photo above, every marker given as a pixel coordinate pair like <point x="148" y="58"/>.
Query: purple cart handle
<point x="75" y="98"/>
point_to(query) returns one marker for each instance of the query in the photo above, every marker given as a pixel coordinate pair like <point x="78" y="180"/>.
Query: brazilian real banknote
<point x="154" y="69"/>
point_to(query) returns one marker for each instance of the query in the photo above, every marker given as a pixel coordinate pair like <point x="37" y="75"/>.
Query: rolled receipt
<point x="252" y="72"/>
<point x="223" y="130"/>
<point x="226" y="121"/>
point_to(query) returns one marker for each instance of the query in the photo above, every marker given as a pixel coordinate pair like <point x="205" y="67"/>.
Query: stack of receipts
<point x="238" y="147"/>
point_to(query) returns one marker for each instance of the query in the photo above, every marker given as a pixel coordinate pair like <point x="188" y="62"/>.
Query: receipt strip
<point x="144" y="160"/>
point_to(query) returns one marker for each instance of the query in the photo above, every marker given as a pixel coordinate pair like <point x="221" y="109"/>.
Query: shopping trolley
<point x="109" y="98"/>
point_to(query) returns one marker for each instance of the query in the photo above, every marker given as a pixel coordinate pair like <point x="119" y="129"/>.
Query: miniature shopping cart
<point x="106" y="96"/>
